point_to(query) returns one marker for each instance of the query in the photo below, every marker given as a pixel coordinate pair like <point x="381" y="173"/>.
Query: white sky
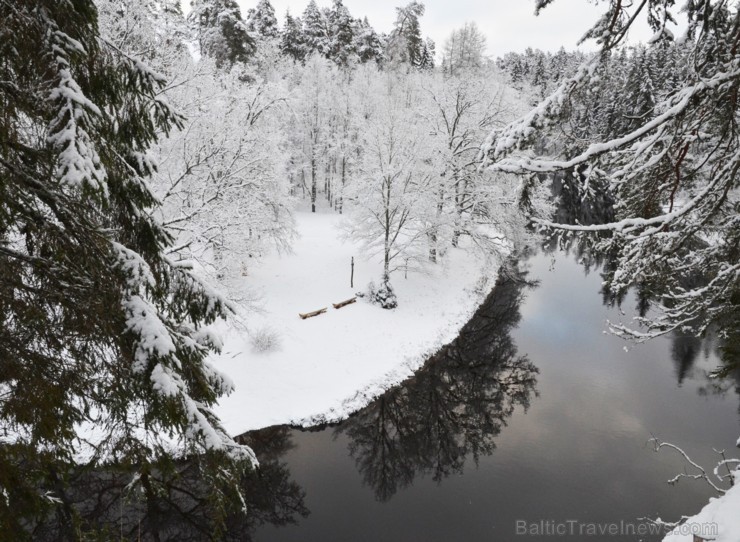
<point x="509" y="25"/>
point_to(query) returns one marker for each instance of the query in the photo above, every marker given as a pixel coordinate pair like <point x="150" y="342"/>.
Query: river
<point x="533" y="423"/>
<point x="534" y="420"/>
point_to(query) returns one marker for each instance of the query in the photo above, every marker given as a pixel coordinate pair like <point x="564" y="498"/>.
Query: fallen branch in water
<point x="701" y="474"/>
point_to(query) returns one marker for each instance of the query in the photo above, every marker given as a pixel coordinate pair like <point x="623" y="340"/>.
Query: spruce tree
<point x="262" y="20"/>
<point x="412" y="33"/>
<point x="221" y="32"/>
<point x="367" y="42"/>
<point x="316" y="37"/>
<point x="103" y="337"/>
<point x="292" y="42"/>
<point x="405" y="44"/>
<point x="342" y="48"/>
<point x="426" y="58"/>
<point x="638" y="97"/>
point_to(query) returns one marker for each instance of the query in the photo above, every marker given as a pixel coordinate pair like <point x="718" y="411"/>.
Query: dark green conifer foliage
<point x="405" y="44"/>
<point x="98" y="327"/>
<point x="342" y="47"/>
<point x="292" y="41"/>
<point x="315" y="34"/>
<point x="222" y="33"/>
<point x="262" y="20"/>
<point x="668" y="154"/>
<point x="426" y="59"/>
<point x="368" y="44"/>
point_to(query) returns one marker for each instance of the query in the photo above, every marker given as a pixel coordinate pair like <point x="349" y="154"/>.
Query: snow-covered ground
<point x="327" y="367"/>
<point x="718" y="521"/>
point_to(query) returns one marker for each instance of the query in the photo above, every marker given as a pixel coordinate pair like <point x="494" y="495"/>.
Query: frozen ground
<point x="324" y="368"/>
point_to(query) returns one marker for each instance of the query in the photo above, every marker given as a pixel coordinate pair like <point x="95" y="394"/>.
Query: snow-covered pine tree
<point x="367" y="42"/>
<point x="559" y="65"/>
<point x="684" y="156"/>
<point x="342" y="45"/>
<point x="315" y="33"/>
<point x="221" y="32"/>
<point x="262" y="20"/>
<point x="426" y="58"/>
<point x="405" y="43"/>
<point x="412" y="32"/>
<point x="539" y="73"/>
<point x="103" y="338"/>
<point x="292" y="41"/>
<point x="638" y="98"/>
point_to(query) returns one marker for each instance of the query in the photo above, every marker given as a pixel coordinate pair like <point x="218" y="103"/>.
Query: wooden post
<point x="352" y="274"/>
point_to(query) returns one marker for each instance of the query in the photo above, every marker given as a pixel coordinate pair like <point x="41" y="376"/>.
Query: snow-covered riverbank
<point x="718" y="521"/>
<point x="322" y="369"/>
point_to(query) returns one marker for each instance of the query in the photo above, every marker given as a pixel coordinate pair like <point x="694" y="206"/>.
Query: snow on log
<point x="344" y="303"/>
<point x="311" y="314"/>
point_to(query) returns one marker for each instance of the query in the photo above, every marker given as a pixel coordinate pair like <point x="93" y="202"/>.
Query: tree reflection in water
<point x="582" y="202"/>
<point x="450" y="411"/>
<point x="454" y="407"/>
<point x="110" y="506"/>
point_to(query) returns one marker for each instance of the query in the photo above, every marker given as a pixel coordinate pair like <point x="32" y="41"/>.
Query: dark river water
<point x="533" y="423"/>
<point x="533" y="420"/>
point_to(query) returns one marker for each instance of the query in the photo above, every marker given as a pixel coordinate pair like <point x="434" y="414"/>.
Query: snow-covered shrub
<point x="264" y="339"/>
<point x="383" y="296"/>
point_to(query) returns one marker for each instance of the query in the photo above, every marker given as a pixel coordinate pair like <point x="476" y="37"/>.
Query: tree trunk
<point x="386" y="244"/>
<point x="64" y="512"/>
<point x="329" y="188"/>
<point x="344" y="177"/>
<point x="458" y="214"/>
<point x="305" y="315"/>
<point x="152" y="509"/>
<point x="433" y="235"/>
<point x="313" y="185"/>
<point x="344" y="303"/>
<point x="433" y="246"/>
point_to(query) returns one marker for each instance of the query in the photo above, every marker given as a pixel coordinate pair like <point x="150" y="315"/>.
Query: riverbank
<point x="304" y="372"/>
<point x="718" y="521"/>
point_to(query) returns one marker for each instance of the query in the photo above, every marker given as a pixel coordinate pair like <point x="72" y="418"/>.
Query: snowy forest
<point x="179" y="182"/>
